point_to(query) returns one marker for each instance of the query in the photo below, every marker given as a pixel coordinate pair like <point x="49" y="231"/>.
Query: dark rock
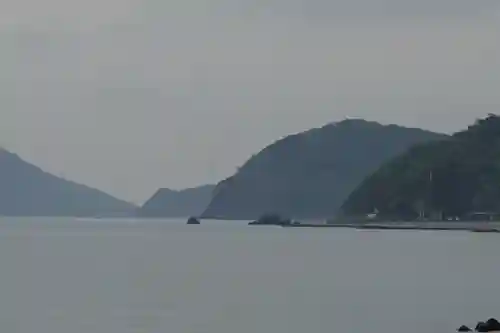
<point x="481" y="327"/>
<point x="492" y="325"/>
<point x="464" y="328"/>
<point x="193" y="220"/>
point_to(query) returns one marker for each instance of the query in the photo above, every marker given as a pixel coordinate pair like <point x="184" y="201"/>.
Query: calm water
<point x="77" y="276"/>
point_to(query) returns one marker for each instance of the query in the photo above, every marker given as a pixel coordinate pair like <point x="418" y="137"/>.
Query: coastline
<point x="471" y="226"/>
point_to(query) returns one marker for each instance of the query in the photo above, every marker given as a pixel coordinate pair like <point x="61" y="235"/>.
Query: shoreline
<point x="480" y="227"/>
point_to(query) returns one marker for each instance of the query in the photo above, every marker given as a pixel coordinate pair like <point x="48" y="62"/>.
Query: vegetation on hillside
<point x="308" y="175"/>
<point x="452" y="178"/>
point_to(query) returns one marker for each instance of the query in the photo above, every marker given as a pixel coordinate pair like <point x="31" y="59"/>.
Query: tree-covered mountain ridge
<point x="309" y="174"/>
<point x="444" y="179"/>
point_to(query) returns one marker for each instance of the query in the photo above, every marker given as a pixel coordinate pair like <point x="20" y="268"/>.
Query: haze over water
<point x="125" y="276"/>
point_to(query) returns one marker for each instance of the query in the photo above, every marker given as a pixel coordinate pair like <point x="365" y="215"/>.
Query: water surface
<point x="124" y="276"/>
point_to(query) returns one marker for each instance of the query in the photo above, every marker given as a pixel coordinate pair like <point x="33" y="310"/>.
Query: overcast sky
<point x="128" y="95"/>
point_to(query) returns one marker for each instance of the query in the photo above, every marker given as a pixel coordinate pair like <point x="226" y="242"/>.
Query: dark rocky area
<point x="193" y="220"/>
<point x="491" y="325"/>
<point x="271" y="219"/>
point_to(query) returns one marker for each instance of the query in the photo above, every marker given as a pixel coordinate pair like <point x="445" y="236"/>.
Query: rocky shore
<point x="491" y="325"/>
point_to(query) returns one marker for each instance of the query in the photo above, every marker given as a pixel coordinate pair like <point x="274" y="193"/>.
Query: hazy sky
<point x="129" y="95"/>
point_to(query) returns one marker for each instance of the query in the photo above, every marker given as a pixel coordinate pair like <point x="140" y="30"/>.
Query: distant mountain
<point x="184" y="203"/>
<point x="449" y="178"/>
<point x="310" y="174"/>
<point x="26" y="190"/>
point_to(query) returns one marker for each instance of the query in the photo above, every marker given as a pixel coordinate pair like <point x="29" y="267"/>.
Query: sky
<point x="132" y="95"/>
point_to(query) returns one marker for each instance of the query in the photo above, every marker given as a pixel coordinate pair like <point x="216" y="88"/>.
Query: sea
<point x="61" y="275"/>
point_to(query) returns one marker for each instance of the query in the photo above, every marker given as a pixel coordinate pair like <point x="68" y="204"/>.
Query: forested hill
<point x="310" y="174"/>
<point x="454" y="177"/>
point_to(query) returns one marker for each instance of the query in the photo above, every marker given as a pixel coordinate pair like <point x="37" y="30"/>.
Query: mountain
<point x="449" y="178"/>
<point x="26" y="190"/>
<point x="309" y="175"/>
<point x="184" y="203"/>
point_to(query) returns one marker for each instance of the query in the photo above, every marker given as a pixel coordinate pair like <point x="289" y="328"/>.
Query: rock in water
<point x="481" y="327"/>
<point x="193" y="220"/>
<point x="464" y="328"/>
<point x="492" y="325"/>
<point x="271" y="219"/>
